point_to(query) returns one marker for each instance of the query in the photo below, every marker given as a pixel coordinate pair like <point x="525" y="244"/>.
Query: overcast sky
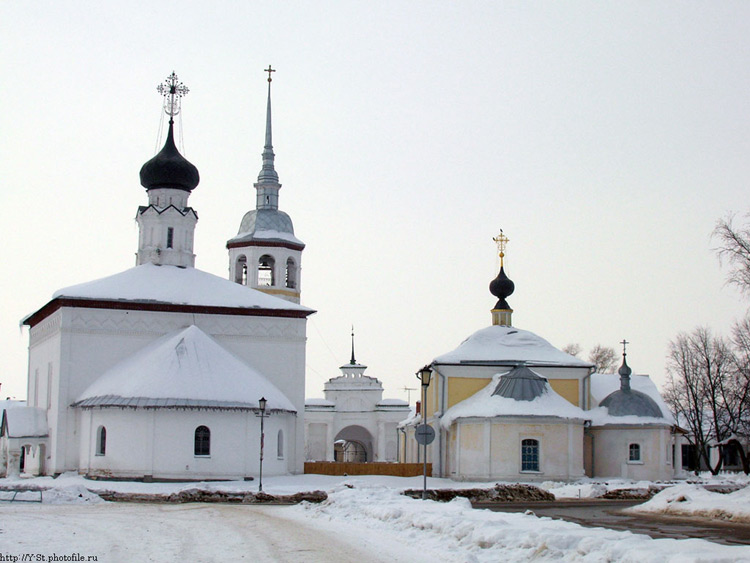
<point x="604" y="138"/>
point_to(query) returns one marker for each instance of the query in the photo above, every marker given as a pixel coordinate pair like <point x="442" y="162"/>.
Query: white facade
<point x="353" y="422"/>
<point x="166" y="229"/>
<point x="483" y="449"/>
<point x="76" y="345"/>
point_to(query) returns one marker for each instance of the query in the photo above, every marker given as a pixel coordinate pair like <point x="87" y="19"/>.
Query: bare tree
<point x="573" y="349"/>
<point x="734" y="248"/>
<point x="740" y="390"/>
<point x="699" y="390"/>
<point x="604" y="358"/>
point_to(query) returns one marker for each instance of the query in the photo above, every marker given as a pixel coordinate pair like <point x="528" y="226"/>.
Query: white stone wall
<point x="488" y="449"/>
<point x="160" y="443"/>
<point x="611" y="452"/>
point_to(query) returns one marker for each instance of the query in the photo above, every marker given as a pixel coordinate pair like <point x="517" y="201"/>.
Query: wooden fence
<point x="374" y="468"/>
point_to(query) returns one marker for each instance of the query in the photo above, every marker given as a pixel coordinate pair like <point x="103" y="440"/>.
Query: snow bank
<point x="694" y="500"/>
<point x="461" y="533"/>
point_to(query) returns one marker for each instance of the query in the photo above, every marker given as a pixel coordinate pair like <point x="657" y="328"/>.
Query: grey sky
<point x="605" y="138"/>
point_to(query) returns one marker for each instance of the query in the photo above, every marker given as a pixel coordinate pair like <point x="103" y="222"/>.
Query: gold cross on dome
<point x="501" y="240"/>
<point x="269" y="70"/>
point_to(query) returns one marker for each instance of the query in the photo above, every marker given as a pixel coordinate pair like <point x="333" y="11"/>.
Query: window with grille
<point x="634" y="452"/>
<point x="202" y="441"/>
<point x="529" y="455"/>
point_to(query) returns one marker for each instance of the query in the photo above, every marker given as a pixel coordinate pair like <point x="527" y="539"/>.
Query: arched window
<point x="634" y="452"/>
<point x="529" y="455"/>
<point x="291" y="273"/>
<point x="202" y="441"/>
<point x="101" y="441"/>
<point x="240" y="270"/>
<point x="266" y="265"/>
<point x="280" y="445"/>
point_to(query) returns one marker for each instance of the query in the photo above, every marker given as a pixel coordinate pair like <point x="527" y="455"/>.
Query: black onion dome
<point x="502" y="287"/>
<point x="169" y="169"/>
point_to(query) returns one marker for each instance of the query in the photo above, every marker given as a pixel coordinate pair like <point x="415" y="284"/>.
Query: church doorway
<point x="353" y="444"/>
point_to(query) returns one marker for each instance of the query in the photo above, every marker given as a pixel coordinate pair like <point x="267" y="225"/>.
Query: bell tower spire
<point x="265" y="254"/>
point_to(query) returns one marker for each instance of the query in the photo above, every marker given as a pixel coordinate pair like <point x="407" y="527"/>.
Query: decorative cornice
<point x="265" y="243"/>
<point x="56" y="304"/>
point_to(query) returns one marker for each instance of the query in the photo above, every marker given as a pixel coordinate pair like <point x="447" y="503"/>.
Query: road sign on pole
<point x="424" y="434"/>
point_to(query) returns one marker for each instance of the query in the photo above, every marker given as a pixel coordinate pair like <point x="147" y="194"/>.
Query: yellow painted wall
<point x="567" y="388"/>
<point x="461" y="388"/>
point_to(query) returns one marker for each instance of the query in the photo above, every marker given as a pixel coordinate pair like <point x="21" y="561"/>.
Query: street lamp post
<point x="424" y="375"/>
<point x="262" y="404"/>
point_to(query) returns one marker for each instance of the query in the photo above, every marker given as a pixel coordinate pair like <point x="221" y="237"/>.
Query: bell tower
<point x="265" y="254"/>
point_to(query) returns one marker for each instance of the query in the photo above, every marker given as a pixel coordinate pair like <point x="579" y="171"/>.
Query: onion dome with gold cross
<point x="501" y="287"/>
<point x="169" y="169"/>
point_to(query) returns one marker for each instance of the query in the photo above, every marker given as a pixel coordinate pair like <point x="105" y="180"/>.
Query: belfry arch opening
<point x="291" y="273"/>
<point x="266" y="267"/>
<point x="240" y="270"/>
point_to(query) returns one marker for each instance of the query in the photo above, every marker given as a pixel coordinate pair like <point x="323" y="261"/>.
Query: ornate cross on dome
<point x="501" y="240"/>
<point x="624" y="344"/>
<point x="269" y="70"/>
<point x="172" y="90"/>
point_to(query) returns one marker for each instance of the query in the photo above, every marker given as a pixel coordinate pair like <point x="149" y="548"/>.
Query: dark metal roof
<point x="521" y="384"/>
<point x="169" y="169"/>
<point x="153" y="403"/>
<point x="628" y="402"/>
<point x="502" y="287"/>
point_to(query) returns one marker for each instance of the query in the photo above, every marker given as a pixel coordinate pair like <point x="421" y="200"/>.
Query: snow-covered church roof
<point x="186" y="368"/>
<point x="498" y="343"/>
<point x="149" y="284"/>
<point x="486" y="404"/>
<point x="605" y="384"/>
<point x="24" y="422"/>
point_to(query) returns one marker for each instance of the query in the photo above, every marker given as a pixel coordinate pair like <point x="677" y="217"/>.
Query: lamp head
<point x="262" y="404"/>
<point x="424" y="375"/>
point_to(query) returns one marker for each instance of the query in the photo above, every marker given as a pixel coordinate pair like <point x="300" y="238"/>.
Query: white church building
<point x="157" y="372"/>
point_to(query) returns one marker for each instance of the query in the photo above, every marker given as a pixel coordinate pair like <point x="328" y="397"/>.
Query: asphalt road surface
<point x="608" y="514"/>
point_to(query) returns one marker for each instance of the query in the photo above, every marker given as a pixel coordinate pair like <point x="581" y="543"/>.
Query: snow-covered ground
<point x="364" y="519"/>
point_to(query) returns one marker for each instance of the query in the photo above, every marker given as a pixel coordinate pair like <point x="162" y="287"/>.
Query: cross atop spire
<point x="173" y="90"/>
<point x="624" y="344"/>
<point x="501" y="240"/>
<point x="268" y="173"/>
<point x="353" y="361"/>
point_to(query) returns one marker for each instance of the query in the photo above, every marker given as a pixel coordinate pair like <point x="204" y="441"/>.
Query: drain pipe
<point x="587" y="392"/>
<point x="441" y="431"/>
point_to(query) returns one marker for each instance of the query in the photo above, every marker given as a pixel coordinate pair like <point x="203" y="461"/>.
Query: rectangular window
<point x="634" y="452"/>
<point x="170" y="237"/>
<point x="529" y="455"/>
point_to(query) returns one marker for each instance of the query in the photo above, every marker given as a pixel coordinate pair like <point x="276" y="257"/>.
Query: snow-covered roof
<point x="25" y="422"/>
<point x="393" y="403"/>
<point x="186" y="368"/>
<point x="269" y="235"/>
<point x="175" y="285"/>
<point x="317" y="402"/>
<point x="508" y="344"/>
<point x="485" y="404"/>
<point x="603" y="384"/>
<point x="11" y="404"/>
